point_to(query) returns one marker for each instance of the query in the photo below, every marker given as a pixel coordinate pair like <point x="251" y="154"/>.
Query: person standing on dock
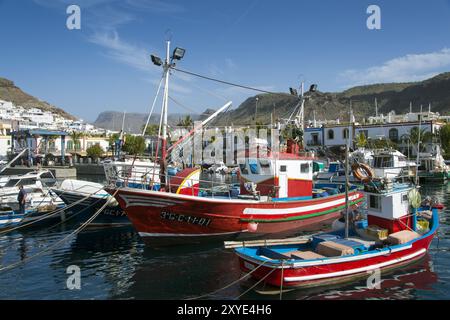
<point x="21" y="198"/>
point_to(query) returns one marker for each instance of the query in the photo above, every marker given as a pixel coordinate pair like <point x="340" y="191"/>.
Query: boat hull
<point x="174" y="216"/>
<point x="341" y="270"/>
<point x="110" y="216"/>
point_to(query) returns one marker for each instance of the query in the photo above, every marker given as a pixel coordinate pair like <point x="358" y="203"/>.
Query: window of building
<point x="374" y="202"/>
<point x="345" y="133"/>
<point x="330" y="134"/>
<point x="393" y="134"/>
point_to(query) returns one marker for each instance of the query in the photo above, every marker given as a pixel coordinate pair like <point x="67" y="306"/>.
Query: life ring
<point x="362" y="172"/>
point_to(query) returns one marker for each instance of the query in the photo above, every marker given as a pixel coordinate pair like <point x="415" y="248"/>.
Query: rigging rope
<point x="49" y="214"/>
<point x="153" y="106"/>
<point x="230" y="83"/>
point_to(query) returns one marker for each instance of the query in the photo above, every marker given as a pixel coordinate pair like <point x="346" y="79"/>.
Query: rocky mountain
<point x="10" y="92"/>
<point x="134" y="122"/>
<point x="333" y="105"/>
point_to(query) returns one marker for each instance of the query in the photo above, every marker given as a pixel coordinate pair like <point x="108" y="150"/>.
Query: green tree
<point x="292" y="132"/>
<point x="444" y="135"/>
<point x="151" y="130"/>
<point x="134" y="145"/>
<point x="361" y="140"/>
<point x="95" y="151"/>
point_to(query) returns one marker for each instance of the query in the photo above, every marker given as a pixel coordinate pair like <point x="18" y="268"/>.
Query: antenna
<point x="376" y="108"/>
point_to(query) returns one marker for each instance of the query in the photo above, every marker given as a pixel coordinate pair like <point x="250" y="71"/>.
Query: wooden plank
<point x="271" y="242"/>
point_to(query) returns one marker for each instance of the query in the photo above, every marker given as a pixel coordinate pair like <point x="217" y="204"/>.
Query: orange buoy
<point x="362" y="172"/>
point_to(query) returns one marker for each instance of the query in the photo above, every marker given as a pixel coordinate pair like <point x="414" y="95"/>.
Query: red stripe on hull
<point x="159" y="214"/>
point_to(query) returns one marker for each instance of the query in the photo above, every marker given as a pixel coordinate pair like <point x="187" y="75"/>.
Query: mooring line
<point x="228" y="285"/>
<point x="79" y="229"/>
<point x="252" y="287"/>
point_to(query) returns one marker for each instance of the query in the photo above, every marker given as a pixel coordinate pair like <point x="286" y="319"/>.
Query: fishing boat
<point x="84" y="198"/>
<point x="432" y="167"/>
<point x="384" y="163"/>
<point x="392" y="164"/>
<point x="391" y="236"/>
<point x="277" y="196"/>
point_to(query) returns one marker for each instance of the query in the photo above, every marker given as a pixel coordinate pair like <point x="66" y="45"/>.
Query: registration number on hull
<point x="185" y="218"/>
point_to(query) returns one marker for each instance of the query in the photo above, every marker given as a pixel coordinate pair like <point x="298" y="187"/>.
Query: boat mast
<point x="347" y="179"/>
<point x="418" y="146"/>
<point x="165" y="101"/>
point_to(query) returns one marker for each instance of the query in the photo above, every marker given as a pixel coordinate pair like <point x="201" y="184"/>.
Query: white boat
<point x="35" y="185"/>
<point x="392" y="164"/>
<point x="432" y="166"/>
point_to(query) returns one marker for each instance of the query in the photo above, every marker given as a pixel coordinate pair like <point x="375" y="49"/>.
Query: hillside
<point x="9" y="92"/>
<point x="330" y="106"/>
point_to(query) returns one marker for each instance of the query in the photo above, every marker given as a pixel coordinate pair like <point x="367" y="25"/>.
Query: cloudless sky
<point x="268" y="44"/>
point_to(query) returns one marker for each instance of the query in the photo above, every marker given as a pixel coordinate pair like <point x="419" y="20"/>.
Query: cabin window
<point x="243" y="168"/>
<point x="374" y="202"/>
<point x="304" y="168"/>
<point x="405" y="198"/>
<point x="383" y="162"/>
<point x="393" y="134"/>
<point x="330" y="134"/>
<point x="283" y="169"/>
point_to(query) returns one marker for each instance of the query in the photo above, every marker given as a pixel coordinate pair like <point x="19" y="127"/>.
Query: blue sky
<point x="270" y="45"/>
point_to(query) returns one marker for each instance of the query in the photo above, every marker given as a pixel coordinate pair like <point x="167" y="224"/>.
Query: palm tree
<point x="76" y="136"/>
<point x="415" y="134"/>
<point x="187" y="122"/>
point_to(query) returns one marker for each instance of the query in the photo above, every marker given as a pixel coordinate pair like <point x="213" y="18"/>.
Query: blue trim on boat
<point x="291" y="199"/>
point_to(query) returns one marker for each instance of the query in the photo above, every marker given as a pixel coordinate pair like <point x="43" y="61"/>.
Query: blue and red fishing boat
<point x="398" y="231"/>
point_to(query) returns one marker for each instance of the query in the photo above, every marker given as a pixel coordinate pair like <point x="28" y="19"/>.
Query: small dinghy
<point x="391" y="237"/>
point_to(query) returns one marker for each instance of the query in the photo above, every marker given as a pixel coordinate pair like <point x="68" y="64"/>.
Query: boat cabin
<point x="388" y="206"/>
<point x="283" y="176"/>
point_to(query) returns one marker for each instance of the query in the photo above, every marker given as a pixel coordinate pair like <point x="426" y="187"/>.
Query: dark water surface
<point x="115" y="264"/>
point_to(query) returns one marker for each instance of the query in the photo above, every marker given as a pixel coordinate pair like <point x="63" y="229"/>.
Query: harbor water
<point x="115" y="264"/>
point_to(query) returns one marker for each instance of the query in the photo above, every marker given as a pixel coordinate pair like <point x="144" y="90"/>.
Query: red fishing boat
<point x="275" y="195"/>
